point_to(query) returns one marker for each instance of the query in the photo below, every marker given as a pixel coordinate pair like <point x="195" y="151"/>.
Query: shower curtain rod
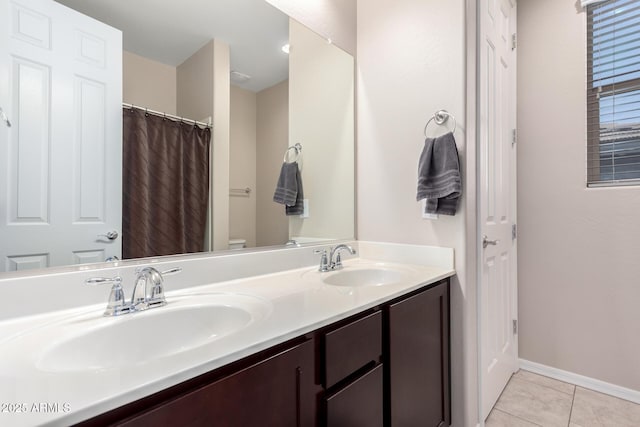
<point x="171" y="116"/>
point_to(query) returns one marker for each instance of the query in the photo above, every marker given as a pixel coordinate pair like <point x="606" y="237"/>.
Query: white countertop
<point x="296" y="302"/>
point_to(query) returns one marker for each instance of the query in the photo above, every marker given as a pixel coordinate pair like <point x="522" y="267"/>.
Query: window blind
<point x="613" y="92"/>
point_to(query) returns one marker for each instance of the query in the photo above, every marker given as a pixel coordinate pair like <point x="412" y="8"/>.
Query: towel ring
<point x="440" y="117"/>
<point x="298" y="150"/>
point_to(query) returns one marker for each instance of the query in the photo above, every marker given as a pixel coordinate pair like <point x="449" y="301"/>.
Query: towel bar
<point x="297" y="148"/>
<point x="440" y="117"/>
<point x="240" y="191"/>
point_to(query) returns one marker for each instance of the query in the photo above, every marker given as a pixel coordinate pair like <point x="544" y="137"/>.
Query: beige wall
<point x="242" y="165"/>
<point x="204" y="91"/>
<point x="148" y="83"/>
<point x="195" y="84"/>
<point x="334" y="19"/>
<point x="411" y="62"/>
<point x="272" y="139"/>
<point x="578" y="248"/>
<point x="325" y="128"/>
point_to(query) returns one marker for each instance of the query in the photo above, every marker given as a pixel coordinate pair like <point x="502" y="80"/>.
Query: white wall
<point x="411" y="62"/>
<point x="242" y="165"/>
<point x="325" y="127"/>
<point x="334" y="19"/>
<point x="578" y="269"/>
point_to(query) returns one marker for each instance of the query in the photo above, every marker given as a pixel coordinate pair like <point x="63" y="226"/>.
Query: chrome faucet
<point x="333" y="261"/>
<point x="143" y="297"/>
<point x="148" y="291"/>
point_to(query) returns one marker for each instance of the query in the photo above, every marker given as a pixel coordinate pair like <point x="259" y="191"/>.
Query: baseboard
<point x="582" y="381"/>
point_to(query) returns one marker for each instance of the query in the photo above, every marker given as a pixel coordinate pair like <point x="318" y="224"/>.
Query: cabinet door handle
<point x="298" y="397"/>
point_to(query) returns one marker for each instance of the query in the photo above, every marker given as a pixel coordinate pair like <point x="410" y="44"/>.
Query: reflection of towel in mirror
<point x="289" y="189"/>
<point x="439" y="175"/>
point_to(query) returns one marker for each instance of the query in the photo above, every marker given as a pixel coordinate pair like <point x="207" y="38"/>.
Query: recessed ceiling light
<point x="285" y="48"/>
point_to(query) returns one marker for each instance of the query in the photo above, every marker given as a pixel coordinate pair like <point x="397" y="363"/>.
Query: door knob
<point x="111" y="235"/>
<point x="486" y="242"/>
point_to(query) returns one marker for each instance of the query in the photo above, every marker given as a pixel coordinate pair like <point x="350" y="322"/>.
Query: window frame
<point x="594" y="134"/>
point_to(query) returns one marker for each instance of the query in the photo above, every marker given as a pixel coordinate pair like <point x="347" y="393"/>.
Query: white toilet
<point x="237" y="243"/>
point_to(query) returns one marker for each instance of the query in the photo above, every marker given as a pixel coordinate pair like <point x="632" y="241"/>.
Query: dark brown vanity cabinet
<point x="388" y="366"/>
<point x="417" y="359"/>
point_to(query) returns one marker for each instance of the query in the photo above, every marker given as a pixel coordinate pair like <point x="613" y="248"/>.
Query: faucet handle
<point x="156" y="298"/>
<point x="169" y="272"/>
<point x="338" y="262"/>
<point x="116" y="304"/>
<point x="324" y="260"/>
<point x="116" y="281"/>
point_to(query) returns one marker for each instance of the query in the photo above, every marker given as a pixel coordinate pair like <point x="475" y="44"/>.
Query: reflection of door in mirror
<point x="222" y="63"/>
<point x="59" y="202"/>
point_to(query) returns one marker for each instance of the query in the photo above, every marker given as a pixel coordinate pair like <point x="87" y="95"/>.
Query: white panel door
<point x="498" y="281"/>
<point x="61" y="160"/>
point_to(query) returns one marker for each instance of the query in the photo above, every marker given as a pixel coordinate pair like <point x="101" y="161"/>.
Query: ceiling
<point x="170" y="31"/>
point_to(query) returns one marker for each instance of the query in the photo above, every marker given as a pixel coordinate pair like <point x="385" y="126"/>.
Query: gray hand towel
<point x="298" y="207"/>
<point x="439" y="175"/>
<point x="289" y="189"/>
<point x="287" y="186"/>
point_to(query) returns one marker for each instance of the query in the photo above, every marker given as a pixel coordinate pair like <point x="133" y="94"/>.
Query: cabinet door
<point x="277" y="392"/>
<point x="418" y="359"/>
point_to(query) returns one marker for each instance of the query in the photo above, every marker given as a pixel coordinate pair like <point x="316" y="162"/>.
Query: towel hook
<point x="298" y="149"/>
<point x="440" y="117"/>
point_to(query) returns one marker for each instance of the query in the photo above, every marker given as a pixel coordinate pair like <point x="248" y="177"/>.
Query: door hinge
<point x="515" y="327"/>
<point x="514" y="232"/>
<point x="514" y="41"/>
<point x="514" y="136"/>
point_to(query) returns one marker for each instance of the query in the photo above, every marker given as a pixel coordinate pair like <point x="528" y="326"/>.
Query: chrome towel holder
<point x="298" y="149"/>
<point x="240" y="191"/>
<point x="440" y="117"/>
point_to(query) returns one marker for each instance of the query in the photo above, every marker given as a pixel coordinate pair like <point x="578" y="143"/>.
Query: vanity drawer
<point x="360" y="404"/>
<point x="351" y="347"/>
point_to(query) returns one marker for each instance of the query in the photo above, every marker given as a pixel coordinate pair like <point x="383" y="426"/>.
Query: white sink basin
<point x="363" y="277"/>
<point x="184" y="324"/>
<point x="366" y="274"/>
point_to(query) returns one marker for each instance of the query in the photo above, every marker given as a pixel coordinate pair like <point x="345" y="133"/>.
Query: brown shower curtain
<point x="165" y="185"/>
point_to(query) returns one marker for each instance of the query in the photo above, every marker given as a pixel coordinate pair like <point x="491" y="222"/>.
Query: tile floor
<point x="531" y="400"/>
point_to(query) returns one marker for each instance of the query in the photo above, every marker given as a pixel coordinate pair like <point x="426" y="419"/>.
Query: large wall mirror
<point x="135" y="129"/>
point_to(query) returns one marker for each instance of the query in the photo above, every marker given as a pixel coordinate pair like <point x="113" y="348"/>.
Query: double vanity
<point x="260" y="338"/>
